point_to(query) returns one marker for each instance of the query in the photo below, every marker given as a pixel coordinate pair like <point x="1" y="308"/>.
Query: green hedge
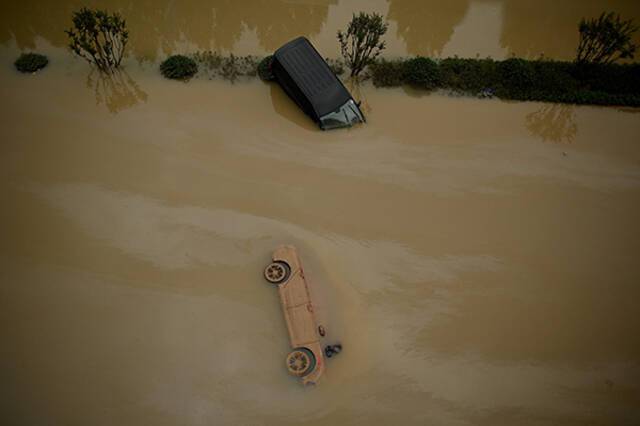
<point x="31" y="62"/>
<point x="264" y="69"/>
<point x="178" y="67"/>
<point x="517" y="79"/>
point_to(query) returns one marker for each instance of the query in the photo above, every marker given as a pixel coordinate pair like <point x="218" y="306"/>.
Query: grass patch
<point x="517" y="79"/>
<point x="30" y="62"/>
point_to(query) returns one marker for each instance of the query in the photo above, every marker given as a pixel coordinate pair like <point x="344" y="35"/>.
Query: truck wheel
<point x="277" y="272"/>
<point x="301" y="362"/>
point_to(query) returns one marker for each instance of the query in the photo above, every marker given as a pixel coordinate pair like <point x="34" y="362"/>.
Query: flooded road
<point x="477" y="259"/>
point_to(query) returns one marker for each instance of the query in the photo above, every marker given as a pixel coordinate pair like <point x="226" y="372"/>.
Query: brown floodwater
<point x="478" y="259"/>
<point x="496" y="28"/>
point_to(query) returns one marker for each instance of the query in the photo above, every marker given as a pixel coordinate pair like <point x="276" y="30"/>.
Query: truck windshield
<point x="345" y="116"/>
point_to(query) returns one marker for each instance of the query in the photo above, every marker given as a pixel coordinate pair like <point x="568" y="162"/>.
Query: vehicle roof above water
<point x="309" y="71"/>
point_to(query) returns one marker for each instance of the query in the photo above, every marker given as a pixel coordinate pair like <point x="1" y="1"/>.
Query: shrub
<point x="611" y="78"/>
<point x="516" y="76"/>
<point x="553" y="77"/>
<point x="31" y="62"/>
<point x="99" y="37"/>
<point x="232" y="67"/>
<point x="469" y="75"/>
<point x="264" y="69"/>
<point x="387" y="73"/>
<point x="178" y="67"/>
<point x="605" y="39"/>
<point x="361" y="44"/>
<point x="423" y="73"/>
<point x="518" y="79"/>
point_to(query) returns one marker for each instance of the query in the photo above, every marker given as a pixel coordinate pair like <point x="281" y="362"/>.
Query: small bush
<point x="31" y="62"/>
<point x="606" y="39"/>
<point x="469" y="75"/>
<point x="361" y="43"/>
<point x="423" y="73"/>
<point x="99" y="37"/>
<point x="516" y="78"/>
<point x="553" y="77"/>
<point x="387" y="73"/>
<point x="178" y="67"/>
<point x="264" y="69"/>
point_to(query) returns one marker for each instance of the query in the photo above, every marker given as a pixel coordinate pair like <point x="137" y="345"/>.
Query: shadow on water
<point x="553" y="123"/>
<point x="117" y="91"/>
<point x="287" y="108"/>
<point x="164" y="25"/>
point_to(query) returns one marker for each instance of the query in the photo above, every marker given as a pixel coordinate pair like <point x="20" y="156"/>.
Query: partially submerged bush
<point x="232" y="68"/>
<point x="518" y="79"/>
<point x="178" y="67"/>
<point x="361" y="44"/>
<point x="472" y="76"/>
<point x="99" y="37"/>
<point x="605" y="39"/>
<point x="387" y="73"/>
<point x="31" y="62"/>
<point x="264" y="69"/>
<point x="515" y="76"/>
<point x="423" y="73"/>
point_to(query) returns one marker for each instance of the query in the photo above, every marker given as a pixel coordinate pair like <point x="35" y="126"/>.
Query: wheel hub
<point x="275" y="272"/>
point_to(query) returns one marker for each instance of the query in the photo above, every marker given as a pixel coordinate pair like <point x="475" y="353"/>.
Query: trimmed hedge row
<point x="517" y="79"/>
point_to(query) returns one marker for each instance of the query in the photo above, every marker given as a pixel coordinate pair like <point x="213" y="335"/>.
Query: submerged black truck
<point x="306" y="77"/>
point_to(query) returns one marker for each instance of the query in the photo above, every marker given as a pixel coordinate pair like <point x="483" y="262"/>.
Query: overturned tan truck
<point x="306" y="359"/>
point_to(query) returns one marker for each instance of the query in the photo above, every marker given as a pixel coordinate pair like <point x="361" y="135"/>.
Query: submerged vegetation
<point x="517" y="79"/>
<point x="30" y="62"/>
<point x="231" y="68"/>
<point x="514" y="78"/>
<point x="422" y="73"/>
<point x="264" y="69"/>
<point x="99" y="37"/>
<point x="178" y="67"/>
<point x="593" y="78"/>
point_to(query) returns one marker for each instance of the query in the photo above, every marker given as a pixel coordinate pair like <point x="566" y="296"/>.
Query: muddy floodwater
<point x="479" y="260"/>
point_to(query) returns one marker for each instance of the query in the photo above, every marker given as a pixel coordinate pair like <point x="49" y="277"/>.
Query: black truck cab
<point x="306" y="77"/>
